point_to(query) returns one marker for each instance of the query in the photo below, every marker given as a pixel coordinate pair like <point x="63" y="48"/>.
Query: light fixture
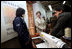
<point x="64" y="2"/>
<point x="50" y="7"/>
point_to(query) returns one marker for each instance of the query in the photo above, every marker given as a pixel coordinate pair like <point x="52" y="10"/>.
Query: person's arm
<point x="18" y="24"/>
<point x="34" y="46"/>
<point x="37" y="24"/>
<point x="57" y="28"/>
<point x="44" y="26"/>
<point x="60" y="33"/>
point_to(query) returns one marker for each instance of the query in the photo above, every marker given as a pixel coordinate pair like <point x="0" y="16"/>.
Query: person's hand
<point x="46" y="23"/>
<point x="34" y="46"/>
<point x="49" y="25"/>
<point x="43" y="30"/>
<point x="49" y="33"/>
<point x="37" y="34"/>
<point x="27" y="43"/>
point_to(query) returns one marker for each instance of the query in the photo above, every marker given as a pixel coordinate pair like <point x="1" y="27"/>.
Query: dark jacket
<point x="20" y="27"/>
<point x="63" y="22"/>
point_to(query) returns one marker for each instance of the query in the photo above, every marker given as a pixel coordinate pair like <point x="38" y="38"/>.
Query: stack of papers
<point x="42" y="45"/>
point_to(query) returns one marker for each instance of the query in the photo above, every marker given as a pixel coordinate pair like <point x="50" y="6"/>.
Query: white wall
<point x="49" y="14"/>
<point x="4" y="35"/>
<point x="38" y="7"/>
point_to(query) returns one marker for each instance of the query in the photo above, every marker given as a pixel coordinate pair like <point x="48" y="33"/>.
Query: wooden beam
<point x="31" y="19"/>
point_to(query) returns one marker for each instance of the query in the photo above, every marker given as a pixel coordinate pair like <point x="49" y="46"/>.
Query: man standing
<point x="64" y="20"/>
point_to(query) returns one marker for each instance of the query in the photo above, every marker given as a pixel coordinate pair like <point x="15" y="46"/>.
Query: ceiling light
<point x="50" y="7"/>
<point x="64" y="2"/>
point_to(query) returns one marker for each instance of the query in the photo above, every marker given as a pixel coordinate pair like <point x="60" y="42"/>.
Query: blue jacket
<point x="20" y="27"/>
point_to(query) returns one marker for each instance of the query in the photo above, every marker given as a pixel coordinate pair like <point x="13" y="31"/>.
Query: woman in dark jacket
<point x="20" y="27"/>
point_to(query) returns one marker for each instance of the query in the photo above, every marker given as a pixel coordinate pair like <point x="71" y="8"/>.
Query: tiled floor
<point x="13" y="43"/>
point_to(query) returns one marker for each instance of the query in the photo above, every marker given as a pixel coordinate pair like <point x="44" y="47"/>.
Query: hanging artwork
<point x="9" y="15"/>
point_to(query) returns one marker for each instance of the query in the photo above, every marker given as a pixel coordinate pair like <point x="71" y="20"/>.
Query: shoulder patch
<point x="18" y="25"/>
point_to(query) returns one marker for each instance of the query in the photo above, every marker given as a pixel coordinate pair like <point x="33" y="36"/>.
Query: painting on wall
<point x="9" y="15"/>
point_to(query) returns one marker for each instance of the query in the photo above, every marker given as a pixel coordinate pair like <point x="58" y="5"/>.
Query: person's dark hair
<point x="64" y="8"/>
<point x="19" y="12"/>
<point x="38" y="12"/>
<point x="43" y="16"/>
<point x="67" y="8"/>
<point x="53" y="13"/>
<point x="58" y="8"/>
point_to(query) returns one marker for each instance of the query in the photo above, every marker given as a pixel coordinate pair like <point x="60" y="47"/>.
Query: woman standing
<point x="40" y="23"/>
